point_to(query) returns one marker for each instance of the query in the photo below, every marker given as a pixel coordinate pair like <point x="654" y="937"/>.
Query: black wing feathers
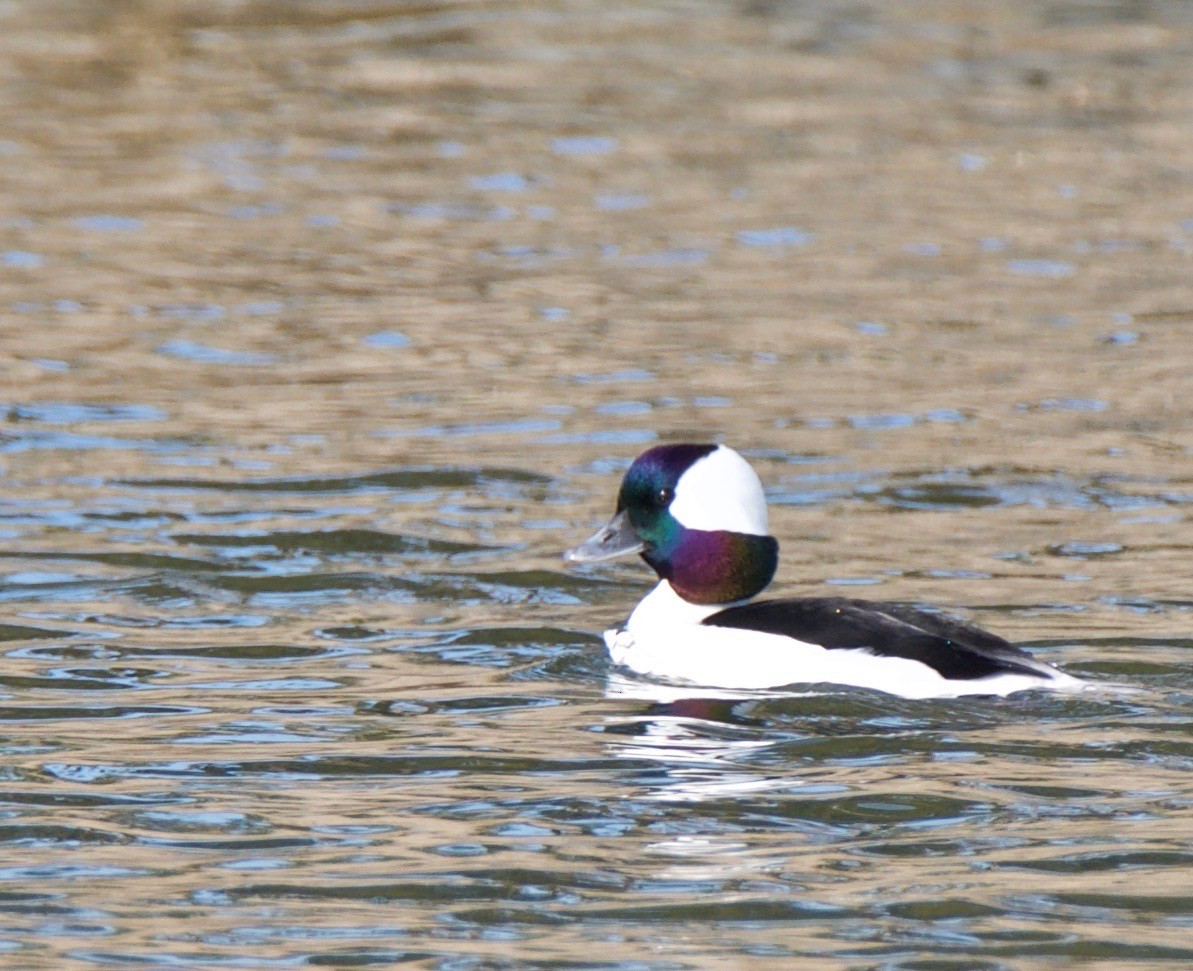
<point x="954" y="649"/>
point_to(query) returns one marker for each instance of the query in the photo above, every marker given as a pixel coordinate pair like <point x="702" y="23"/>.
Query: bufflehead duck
<point x="697" y="516"/>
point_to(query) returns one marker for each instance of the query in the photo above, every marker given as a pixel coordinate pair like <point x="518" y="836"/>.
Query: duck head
<point x="697" y="516"/>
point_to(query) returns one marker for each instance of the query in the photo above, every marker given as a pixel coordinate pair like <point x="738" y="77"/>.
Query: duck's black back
<point x="954" y="649"/>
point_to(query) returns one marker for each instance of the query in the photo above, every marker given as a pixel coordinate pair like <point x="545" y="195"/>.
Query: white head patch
<point x="721" y="491"/>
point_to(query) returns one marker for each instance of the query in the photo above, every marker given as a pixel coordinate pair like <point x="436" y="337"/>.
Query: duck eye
<point x="664" y="496"/>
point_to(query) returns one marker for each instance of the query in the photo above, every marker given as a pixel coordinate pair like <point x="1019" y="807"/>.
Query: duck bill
<point x="616" y="539"/>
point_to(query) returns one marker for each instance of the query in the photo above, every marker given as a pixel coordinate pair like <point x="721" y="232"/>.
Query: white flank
<point x="664" y="639"/>
<point x="721" y="491"/>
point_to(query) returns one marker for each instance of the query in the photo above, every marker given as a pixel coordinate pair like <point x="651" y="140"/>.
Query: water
<point x="328" y="326"/>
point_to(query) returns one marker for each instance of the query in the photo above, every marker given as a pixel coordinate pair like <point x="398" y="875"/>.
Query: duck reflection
<point x="704" y="744"/>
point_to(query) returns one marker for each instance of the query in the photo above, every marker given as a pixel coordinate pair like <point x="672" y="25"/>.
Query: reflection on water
<point x="698" y="755"/>
<point x="327" y="326"/>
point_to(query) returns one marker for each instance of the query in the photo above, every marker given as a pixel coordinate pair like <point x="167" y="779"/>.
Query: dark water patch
<point x="546" y="638"/>
<point x="240" y="652"/>
<point x="178" y="593"/>
<point x="1179" y="906"/>
<point x="54" y="713"/>
<point x="673" y="799"/>
<point x="134" y="560"/>
<point x="1079" y="753"/>
<point x="980" y="489"/>
<point x="19" y="632"/>
<point x="368" y="956"/>
<point x="1113" y="861"/>
<point x="1056" y="792"/>
<point x="1139" y="644"/>
<point x="366" y="634"/>
<point x="1091" y="946"/>
<point x="438" y="887"/>
<point x="331" y="543"/>
<point x="83" y="679"/>
<point x="228" y="845"/>
<point x="137" y="518"/>
<point x="917" y="848"/>
<point x="17" y="901"/>
<point x="313" y="583"/>
<point x="937" y="495"/>
<point x="1155" y="674"/>
<point x="868" y="749"/>
<point x="57" y="799"/>
<point x="414" y="478"/>
<point x="44" y="834"/>
<point x="746" y="910"/>
<point x="520" y="915"/>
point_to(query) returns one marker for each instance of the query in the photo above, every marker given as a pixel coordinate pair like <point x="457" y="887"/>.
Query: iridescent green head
<point x="697" y="515"/>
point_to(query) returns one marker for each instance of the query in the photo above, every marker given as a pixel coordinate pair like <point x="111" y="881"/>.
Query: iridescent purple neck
<point x="715" y="567"/>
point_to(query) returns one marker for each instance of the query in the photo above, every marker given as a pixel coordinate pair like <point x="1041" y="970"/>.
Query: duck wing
<point x="954" y="649"/>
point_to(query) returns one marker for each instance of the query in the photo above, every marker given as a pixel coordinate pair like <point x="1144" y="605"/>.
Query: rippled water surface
<point x="327" y="325"/>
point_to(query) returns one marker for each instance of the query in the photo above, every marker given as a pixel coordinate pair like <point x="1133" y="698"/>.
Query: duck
<point x="696" y="514"/>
